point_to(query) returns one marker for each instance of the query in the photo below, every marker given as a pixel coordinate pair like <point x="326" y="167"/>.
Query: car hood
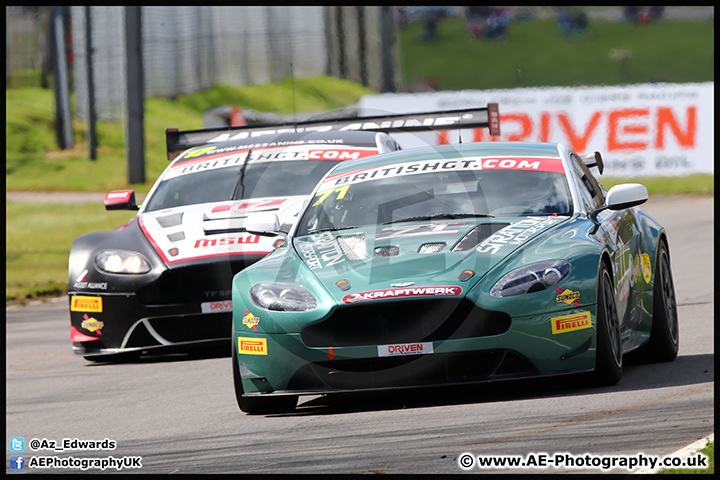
<point x="214" y="230"/>
<point x="414" y="259"/>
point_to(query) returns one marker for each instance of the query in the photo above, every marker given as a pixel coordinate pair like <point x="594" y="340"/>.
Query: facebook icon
<point x="17" y="462"/>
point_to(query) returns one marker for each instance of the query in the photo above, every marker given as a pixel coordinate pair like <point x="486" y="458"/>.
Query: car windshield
<point x="437" y="195"/>
<point x="261" y="179"/>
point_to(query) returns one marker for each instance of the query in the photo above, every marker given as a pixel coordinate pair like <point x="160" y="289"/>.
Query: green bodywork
<point x="573" y="238"/>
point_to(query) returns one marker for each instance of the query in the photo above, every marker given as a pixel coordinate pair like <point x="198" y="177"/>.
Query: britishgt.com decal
<point x="538" y="164"/>
<point x="209" y="158"/>
<point x="444" y="291"/>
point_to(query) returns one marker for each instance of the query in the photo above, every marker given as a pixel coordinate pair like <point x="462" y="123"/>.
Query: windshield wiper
<point x="329" y="229"/>
<point x="240" y="177"/>
<point x="441" y="215"/>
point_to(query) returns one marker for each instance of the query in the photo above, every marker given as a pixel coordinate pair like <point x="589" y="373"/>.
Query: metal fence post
<point x="91" y="133"/>
<point x="63" y="116"/>
<point x="135" y="120"/>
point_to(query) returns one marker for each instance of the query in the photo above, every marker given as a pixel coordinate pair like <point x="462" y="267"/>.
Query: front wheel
<point x="257" y="405"/>
<point x="608" y="354"/>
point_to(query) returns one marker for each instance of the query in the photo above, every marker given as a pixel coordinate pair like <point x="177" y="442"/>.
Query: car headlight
<point x="284" y="297"/>
<point x="531" y="278"/>
<point x="122" y="261"/>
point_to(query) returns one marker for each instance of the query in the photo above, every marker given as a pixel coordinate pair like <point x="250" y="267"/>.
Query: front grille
<point x="415" y="370"/>
<point x="192" y="328"/>
<point x="195" y="283"/>
<point x="385" y="323"/>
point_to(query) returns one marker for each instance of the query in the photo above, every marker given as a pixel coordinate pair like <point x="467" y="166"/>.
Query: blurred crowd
<point x="641" y="15"/>
<point x="491" y="23"/>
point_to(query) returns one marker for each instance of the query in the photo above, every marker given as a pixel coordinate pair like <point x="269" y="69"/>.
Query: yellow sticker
<point x="252" y="346"/>
<point x="569" y="323"/>
<point x="81" y="303"/>
<point x="568" y="296"/>
<point x="250" y="320"/>
<point x="646" y="267"/>
<point x="92" y="324"/>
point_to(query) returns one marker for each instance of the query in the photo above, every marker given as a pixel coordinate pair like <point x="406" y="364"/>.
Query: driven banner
<point x="647" y="129"/>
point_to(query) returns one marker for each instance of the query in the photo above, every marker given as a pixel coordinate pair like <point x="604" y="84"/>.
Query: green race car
<point x="450" y="265"/>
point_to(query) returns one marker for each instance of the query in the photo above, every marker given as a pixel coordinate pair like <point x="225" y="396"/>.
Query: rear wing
<point x="179" y="141"/>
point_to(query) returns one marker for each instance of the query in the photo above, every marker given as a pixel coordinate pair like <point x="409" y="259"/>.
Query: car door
<point x="619" y="231"/>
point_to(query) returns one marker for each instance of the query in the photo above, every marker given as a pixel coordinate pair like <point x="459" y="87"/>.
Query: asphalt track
<point x="179" y="413"/>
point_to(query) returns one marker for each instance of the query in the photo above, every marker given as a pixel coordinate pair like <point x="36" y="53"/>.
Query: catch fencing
<point x="190" y="48"/>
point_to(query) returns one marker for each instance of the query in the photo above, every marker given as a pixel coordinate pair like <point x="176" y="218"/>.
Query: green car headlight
<point x="122" y="261"/>
<point x="531" y="278"/>
<point x="284" y="297"/>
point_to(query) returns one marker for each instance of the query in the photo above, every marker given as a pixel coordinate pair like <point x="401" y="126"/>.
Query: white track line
<point x="685" y="451"/>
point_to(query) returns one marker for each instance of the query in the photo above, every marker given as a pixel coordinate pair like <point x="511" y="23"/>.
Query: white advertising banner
<point x="646" y="129"/>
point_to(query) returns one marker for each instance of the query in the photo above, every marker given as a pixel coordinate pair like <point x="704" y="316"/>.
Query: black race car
<point x="163" y="279"/>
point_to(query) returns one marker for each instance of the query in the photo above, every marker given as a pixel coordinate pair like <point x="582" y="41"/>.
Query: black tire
<point x="257" y="405"/>
<point x="608" y="354"/>
<point x="665" y="334"/>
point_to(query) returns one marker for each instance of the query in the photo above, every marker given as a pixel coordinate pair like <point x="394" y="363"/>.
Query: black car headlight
<point x="531" y="278"/>
<point x="284" y="297"/>
<point x="122" y="261"/>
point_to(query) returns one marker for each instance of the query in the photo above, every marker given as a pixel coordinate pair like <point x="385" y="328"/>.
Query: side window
<point x="591" y="191"/>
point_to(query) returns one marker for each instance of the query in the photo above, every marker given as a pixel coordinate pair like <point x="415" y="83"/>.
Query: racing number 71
<point x="326" y="193"/>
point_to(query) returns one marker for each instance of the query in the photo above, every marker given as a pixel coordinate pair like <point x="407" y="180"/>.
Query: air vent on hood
<point x="176" y="237"/>
<point x="387" y="251"/>
<point x="353" y="246"/>
<point x="477" y="235"/>
<point x="170" y="220"/>
<point x="432" y="247"/>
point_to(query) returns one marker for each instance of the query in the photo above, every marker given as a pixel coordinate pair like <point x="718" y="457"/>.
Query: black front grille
<point x="383" y="323"/>
<point x="415" y="370"/>
<point x="192" y="328"/>
<point x="205" y="282"/>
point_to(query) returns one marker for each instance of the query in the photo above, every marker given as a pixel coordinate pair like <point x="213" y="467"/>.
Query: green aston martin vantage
<point x="451" y="265"/>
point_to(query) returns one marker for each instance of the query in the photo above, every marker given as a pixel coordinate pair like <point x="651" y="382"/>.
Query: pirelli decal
<point x="252" y="346"/>
<point x="569" y="323"/>
<point x="81" y="303"/>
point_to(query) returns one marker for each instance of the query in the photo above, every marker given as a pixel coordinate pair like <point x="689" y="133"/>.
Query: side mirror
<point x="626" y="195"/>
<point x="622" y="196"/>
<point x="263" y="223"/>
<point x="120" y="200"/>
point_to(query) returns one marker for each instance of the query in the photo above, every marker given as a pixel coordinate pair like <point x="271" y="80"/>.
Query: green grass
<point x="37" y="244"/>
<point x="33" y="161"/>
<point x="535" y="54"/>
<point x="695" y="184"/>
<point x="709" y="451"/>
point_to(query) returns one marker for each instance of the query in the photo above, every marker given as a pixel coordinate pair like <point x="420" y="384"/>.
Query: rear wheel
<point x="665" y="334"/>
<point x="608" y="356"/>
<point x="257" y="405"/>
